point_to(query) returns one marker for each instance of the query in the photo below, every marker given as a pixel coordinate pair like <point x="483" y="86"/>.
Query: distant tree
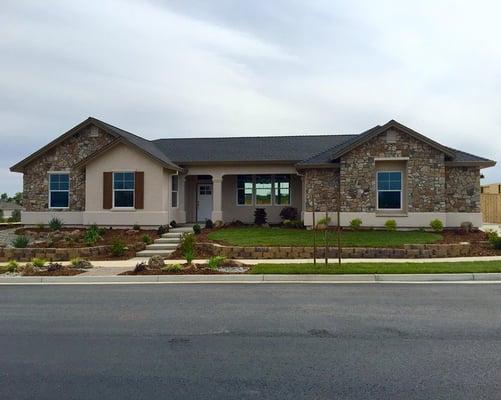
<point x="18" y="198"/>
<point x="4" y="197"/>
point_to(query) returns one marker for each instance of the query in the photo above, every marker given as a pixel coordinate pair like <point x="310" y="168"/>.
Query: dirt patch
<point x="53" y="270"/>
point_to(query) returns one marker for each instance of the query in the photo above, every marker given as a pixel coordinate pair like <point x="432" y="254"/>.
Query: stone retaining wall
<point x="53" y="254"/>
<point x="408" y="251"/>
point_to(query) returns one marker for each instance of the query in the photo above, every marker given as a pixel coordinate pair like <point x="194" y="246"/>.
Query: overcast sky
<point x="261" y="67"/>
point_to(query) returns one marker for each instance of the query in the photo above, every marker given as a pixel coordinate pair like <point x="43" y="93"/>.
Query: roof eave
<point x="480" y="164"/>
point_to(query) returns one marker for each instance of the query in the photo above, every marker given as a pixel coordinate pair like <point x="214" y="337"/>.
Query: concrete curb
<point x="243" y="278"/>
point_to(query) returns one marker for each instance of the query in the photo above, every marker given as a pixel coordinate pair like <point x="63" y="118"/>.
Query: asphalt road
<point x="261" y="341"/>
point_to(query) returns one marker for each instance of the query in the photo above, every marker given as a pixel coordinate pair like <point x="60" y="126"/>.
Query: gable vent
<point x="94" y="131"/>
<point x="391" y="137"/>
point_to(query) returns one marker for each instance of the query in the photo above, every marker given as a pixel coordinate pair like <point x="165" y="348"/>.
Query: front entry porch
<point x="232" y="197"/>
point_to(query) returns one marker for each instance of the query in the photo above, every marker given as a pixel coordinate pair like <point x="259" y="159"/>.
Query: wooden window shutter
<point x="107" y="190"/>
<point x="139" y="190"/>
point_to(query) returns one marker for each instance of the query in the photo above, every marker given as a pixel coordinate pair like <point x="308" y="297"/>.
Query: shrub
<point x="209" y="224"/>
<point x="197" y="229"/>
<point x="437" y="225"/>
<point x="260" y="216"/>
<point x="80" y="263"/>
<point x="162" y="229"/>
<point x="189" y="256"/>
<point x="92" y="235"/>
<point x="324" y="221"/>
<point x="495" y="240"/>
<point x="40" y="225"/>
<point x="16" y="216"/>
<point x="136" y="227"/>
<point x="118" y="248"/>
<point x="147" y="239"/>
<point x="390" y="225"/>
<point x="1" y="215"/>
<point x="38" y="262"/>
<point x="55" y="224"/>
<point x="216" y="261"/>
<point x="20" y="242"/>
<point x="12" y="266"/>
<point x="355" y="224"/>
<point x="187" y="243"/>
<point x="141" y="267"/>
<point x="173" y="224"/>
<point x="289" y="213"/>
<point x="172" y="268"/>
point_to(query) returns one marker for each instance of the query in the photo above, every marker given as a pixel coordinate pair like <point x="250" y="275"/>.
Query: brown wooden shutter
<point x="139" y="190"/>
<point x="107" y="190"/>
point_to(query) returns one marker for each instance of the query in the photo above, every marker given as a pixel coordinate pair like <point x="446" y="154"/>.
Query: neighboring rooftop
<point x="9" y="205"/>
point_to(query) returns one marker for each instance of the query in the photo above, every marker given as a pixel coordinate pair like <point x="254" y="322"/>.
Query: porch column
<point x="181" y="198"/>
<point x="217" y="198"/>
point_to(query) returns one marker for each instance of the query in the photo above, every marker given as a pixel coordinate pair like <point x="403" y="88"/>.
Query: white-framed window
<point x="282" y="190"/>
<point x="389" y="190"/>
<point x="245" y="190"/>
<point x="264" y="190"/>
<point x="174" y="190"/>
<point x="124" y="185"/>
<point x="59" y="190"/>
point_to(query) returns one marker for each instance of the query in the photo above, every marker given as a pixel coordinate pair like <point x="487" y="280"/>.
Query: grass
<point x="3" y="269"/>
<point x="379" y="268"/>
<point x="255" y="236"/>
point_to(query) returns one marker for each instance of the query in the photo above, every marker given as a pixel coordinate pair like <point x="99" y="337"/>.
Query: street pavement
<point x="245" y="341"/>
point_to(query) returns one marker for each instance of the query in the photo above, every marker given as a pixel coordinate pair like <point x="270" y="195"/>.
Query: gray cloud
<point x="197" y="68"/>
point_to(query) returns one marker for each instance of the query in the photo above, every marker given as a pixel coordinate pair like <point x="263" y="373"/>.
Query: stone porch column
<point x="217" y="198"/>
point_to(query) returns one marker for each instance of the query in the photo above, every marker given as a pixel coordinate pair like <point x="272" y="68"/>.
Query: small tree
<point x="260" y="216"/>
<point x="16" y="216"/>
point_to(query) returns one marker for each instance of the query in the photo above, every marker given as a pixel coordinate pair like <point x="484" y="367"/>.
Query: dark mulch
<point x="67" y="271"/>
<point x="457" y="236"/>
<point x="194" y="269"/>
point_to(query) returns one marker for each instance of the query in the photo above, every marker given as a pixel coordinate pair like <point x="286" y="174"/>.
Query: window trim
<point x="123" y="190"/>
<point x="172" y="191"/>
<point x="253" y="181"/>
<point x="50" y="173"/>
<point x="401" y="191"/>
<point x="275" y="189"/>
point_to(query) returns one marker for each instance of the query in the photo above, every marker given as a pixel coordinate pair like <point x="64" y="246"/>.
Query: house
<point x="7" y="207"/>
<point x="98" y="173"/>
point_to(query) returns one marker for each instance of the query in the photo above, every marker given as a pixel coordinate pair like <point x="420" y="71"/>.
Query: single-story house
<point x="7" y="207"/>
<point x="98" y="173"/>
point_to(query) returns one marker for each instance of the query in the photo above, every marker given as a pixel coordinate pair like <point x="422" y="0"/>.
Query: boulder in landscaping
<point x="156" y="262"/>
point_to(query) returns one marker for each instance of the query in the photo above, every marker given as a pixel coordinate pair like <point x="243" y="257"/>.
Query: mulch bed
<point x="194" y="269"/>
<point x="67" y="271"/>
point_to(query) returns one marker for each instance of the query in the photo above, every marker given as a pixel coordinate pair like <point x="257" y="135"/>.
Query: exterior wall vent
<point x="391" y="137"/>
<point x="94" y="131"/>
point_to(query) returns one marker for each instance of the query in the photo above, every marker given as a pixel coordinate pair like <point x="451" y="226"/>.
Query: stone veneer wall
<point x="287" y="252"/>
<point x="425" y="174"/>
<point x="61" y="158"/>
<point x="462" y="189"/>
<point x="321" y="185"/>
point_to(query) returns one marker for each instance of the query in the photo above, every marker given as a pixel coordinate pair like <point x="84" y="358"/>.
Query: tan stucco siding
<point x="120" y="159"/>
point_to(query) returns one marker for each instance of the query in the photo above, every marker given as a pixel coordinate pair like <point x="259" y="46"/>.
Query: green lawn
<point x="255" y="236"/>
<point x="379" y="268"/>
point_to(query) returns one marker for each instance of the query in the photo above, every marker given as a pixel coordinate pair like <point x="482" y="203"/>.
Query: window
<point x="244" y="190"/>
<point x="263" y="190"/>
<point x="389" y="187"/>
<point x="174" y="190"/>
<point x="59" y="190"/>
<point x="205" y="190"/>
<point x="123" y="189"/>
<point x="282" y="190"/>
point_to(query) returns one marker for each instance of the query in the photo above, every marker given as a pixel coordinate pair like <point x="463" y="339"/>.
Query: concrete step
<point x="151" y="253"/>
<point x="181" y="229"/>
<point x="172" y="235"/>
<point x="168" y="240"/>
<point x="162" y="246"/>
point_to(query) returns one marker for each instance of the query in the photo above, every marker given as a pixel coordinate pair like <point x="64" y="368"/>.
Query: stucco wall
<point x="63" y="157"/>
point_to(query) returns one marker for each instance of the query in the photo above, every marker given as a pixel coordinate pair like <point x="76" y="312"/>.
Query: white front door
<point x="204" y="202"/>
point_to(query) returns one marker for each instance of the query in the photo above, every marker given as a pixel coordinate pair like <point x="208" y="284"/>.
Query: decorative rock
<point x="156" y="262"/>
<point x="218" y="224"/>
